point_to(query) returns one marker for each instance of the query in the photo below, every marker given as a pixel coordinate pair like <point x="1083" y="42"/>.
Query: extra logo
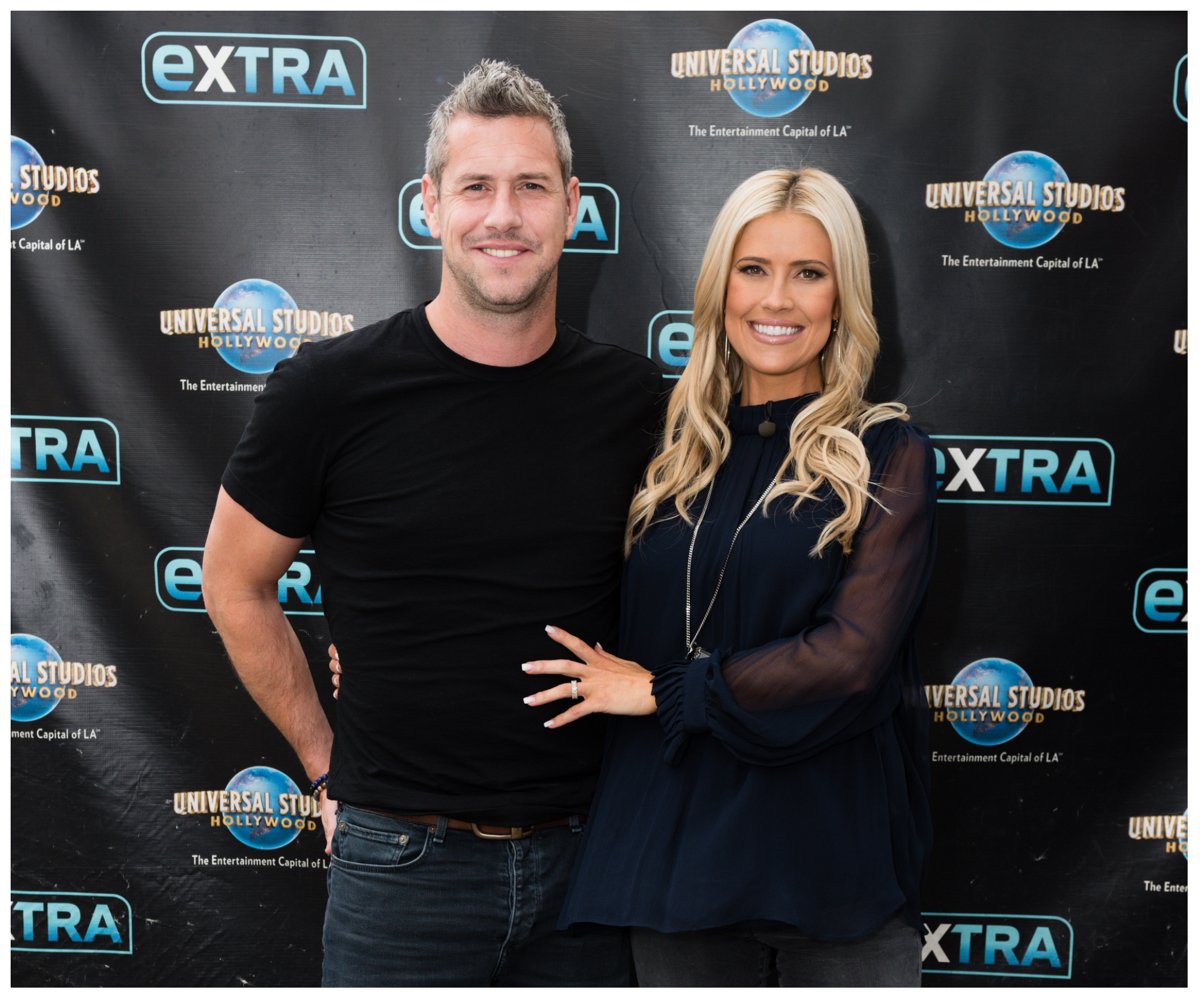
<point x="1181" y="88"/>
<point x="265" y="71"/>
<point x="1160" y="601"/>
<point x="1171" y="829"/>
<point x="82" y="450"/>
<point x="669" y="339"/>
<point x="37" y="185"/>
<point x="177" y="582"/>
<point x="1025" y="199"/>
<point x="93" y="923"/>
<point x="998" y="944"/>
<point x="253" y="325"/>
<point x="1037" y="471"/>
<point x="260" y="807"/>
<point x="42" y="680"/>
<point x="770" y="67"/>
<point x="992" y="700"/>
<point x="597" y="226"/>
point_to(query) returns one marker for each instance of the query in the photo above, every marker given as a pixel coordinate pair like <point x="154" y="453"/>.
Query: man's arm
<point x="243" y="561"/>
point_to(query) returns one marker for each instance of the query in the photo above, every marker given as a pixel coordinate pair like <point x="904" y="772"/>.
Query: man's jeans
<point x="413" y="905"/>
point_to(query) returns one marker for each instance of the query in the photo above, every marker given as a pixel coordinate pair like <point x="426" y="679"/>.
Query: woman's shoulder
<point x="898" y="449"/>
<point x="896" y="443"/>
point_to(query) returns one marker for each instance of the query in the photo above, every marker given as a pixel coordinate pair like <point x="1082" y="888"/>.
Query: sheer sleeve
<point x="840" y="676"/>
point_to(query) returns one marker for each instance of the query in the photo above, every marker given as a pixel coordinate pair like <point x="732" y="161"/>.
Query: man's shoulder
<point x="612" y="359"/>
<point x="363" y="345"/>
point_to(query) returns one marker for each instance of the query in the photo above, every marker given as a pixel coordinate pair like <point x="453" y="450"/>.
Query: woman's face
<point x="779" y="305"/>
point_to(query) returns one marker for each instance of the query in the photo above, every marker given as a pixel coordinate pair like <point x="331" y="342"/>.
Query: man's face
<point x="501" y="211"/>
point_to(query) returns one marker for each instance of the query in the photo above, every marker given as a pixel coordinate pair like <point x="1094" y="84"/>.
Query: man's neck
<point x="503" y="340"/>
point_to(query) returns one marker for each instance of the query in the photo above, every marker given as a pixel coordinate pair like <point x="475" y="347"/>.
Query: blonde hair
<point x="825" y="446"/>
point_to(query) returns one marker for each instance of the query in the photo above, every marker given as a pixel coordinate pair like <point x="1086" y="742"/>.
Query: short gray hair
<point x="496" y="89"/>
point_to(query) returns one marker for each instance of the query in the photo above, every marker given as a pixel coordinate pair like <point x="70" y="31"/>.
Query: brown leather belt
<point x="484" y="831"/>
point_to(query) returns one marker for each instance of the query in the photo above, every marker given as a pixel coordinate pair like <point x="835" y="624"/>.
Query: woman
<point x="762" y="814"/>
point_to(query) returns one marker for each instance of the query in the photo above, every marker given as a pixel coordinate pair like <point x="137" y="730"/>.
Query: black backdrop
<point x="1052" y="376"/>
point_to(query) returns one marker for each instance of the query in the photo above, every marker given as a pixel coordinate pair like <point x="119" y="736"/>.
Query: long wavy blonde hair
<point x="825" y="446"/>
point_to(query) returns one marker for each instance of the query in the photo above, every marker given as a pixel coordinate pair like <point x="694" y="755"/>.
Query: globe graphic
<point x="25" y="653"/>
<point x="247" y="354"/>
<point x="1021" y="168"/>
<point x="980" y="725"/>
<point x="783" y="37"/>
<point x="254" y="830"/>
<point x="23" y="155"/>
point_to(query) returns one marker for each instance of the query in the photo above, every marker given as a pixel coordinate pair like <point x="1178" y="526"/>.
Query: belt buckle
<point x="514" y="833"/>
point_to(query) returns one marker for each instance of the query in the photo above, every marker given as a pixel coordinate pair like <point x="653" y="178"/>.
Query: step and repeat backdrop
<point x="194" y="195"/>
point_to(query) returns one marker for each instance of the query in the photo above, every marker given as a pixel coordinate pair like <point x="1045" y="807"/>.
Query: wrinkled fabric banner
<point x="195" y="194"/>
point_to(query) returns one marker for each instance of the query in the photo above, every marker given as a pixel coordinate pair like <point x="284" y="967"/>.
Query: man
<point x="464" y="470"/>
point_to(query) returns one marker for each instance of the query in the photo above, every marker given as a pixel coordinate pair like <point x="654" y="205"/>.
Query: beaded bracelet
<point x="319" y="783"/>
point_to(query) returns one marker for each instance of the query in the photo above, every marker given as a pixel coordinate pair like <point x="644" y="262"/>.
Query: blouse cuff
<point x="679" y="690"/>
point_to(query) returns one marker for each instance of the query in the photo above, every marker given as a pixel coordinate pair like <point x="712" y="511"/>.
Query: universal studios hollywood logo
<point x="1025" y="199"/>
<point x="261" y="807"/>
<point x="991" y="701"/>
<point x="770" y="67"/>
<point x="253" y="325"/>
<point x="36" y="185"/>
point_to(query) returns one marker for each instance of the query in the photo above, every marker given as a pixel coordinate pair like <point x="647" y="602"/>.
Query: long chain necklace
<point x="693" y="650"/>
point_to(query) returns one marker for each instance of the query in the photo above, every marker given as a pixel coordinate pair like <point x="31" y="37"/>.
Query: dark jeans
<point x="777" y="956"/>
<point x="414" y="905"/>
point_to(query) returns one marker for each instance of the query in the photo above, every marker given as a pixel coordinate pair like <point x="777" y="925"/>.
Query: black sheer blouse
<point x="785" y="777"/>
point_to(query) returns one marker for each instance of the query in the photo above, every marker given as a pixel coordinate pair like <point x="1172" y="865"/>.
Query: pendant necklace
<point x="693" y="650"/>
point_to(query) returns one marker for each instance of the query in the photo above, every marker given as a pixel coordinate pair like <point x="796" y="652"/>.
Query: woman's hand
<point x="335" y="668"/>
<point x="604" y="683"/>
<point x="328" y="815"/>
<point x="328" y="805"/>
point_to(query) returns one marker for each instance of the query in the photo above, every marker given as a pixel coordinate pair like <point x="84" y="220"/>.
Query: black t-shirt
<point x="456" y="509"/>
